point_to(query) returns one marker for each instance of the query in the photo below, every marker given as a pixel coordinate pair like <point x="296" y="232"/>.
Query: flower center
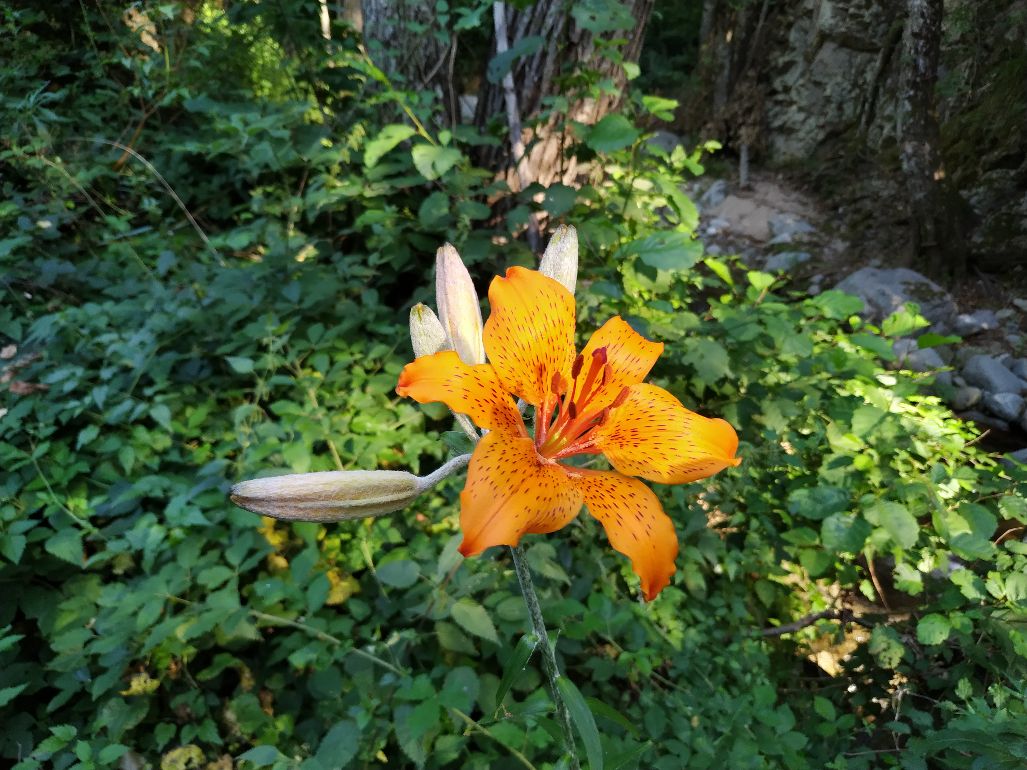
<point x="571" y="430"/>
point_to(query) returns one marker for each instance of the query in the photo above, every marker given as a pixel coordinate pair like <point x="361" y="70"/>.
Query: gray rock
<point x="1020" y="304"/>
<point x="785" y="261"/>
<point x="965" y="352"/>
<point x="1014" y="340"/>
<point x="968" y="324"/>
<point x="1013" y="459"/>
<point x="986" y="420"/>
<point x="665" y="140"/>
<point x="965" y="397"/>
<point x="784" y="228"/>
<point x="714" y="250"/>
<point x="958" y="381"/>
<point x="917" y="359"/>
<point x="714" y="195"/>
<point x="988" y="373"/>
<point x="1007" y="312"/>
<point x="1018" y="366"/>
<point x="717" y="225"/>
<point x="1006" y="406"/>
<point x="884" y="291"/>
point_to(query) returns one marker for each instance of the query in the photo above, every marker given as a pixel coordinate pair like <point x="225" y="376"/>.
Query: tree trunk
<point x="936" y="221"/>
<point x="567" y="48"/>
<point x="406" y="42"/>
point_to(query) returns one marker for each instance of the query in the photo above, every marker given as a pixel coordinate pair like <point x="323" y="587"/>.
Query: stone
<point x="915" y="358"/>
<point x="785" y="227"/>
<point x="714" y="250"/>
<point x="1007" y="312"/>
<point x="1006" y="406"/>
<point x="1014" y="340"/>
<point x="1020" y="304"/>
<point x="785" y="261"/>
<point x="965" y="397"/>
<point x="987" y="372"/>
<point x="665" y="140"/>
<point x="1013" y="459"/>
<point x="885" y="290"/>
<point x="968" y="324"/>
<point x="714" y="195"/>
<point x="1018" y="366"/>
<point x="986" y="420"/>
<point x="748" y="217"/>
<point x="717" y="225"/>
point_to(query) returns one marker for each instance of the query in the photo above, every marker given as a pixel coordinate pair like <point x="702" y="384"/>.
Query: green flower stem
<point x="548" y="656"/>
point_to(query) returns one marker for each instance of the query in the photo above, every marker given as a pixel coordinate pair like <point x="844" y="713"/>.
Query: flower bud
<point x="458" y="306"/>
<point x="560" y="259"/>
<point x="426" y="333"/>
<point x="328" y="496"/>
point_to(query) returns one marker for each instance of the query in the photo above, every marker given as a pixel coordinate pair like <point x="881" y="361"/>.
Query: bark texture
<point x="937" y="238"/>
<point x="566" y="48"/>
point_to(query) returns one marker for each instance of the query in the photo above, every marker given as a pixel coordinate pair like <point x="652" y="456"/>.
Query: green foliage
<point x="159" y="359"/>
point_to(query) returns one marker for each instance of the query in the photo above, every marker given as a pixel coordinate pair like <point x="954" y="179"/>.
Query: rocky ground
<point x="776" y="227"/>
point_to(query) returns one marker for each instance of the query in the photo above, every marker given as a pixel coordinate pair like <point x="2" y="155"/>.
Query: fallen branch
<point x="845" y="616"/>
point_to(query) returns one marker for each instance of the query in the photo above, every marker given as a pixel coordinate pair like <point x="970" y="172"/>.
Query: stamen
<point x="572" y="410"/>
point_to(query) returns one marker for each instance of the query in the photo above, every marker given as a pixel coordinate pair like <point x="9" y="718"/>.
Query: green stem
<point x="548" y="656"/>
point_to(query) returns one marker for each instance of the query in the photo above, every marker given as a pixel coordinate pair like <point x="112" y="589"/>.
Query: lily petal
<point x="529" y="336"/>
<point x="629" y="357"/>
<point x="510" y="492"/>
<point x="650" y="434"/>
<point x="634" y="522"/>
<point x="471" y="390"/>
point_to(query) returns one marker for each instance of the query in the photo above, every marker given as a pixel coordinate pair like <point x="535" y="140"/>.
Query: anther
<point x="572" y="410"/>
<point x="554" y="385"/>
<point x="576" y="369"/>
<point x="599" y="355"/>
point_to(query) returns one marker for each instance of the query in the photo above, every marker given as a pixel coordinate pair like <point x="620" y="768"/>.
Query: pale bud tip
<point x="458" y="306"/>
<point x="560" y="259"/>
<point x="426" y="333"/>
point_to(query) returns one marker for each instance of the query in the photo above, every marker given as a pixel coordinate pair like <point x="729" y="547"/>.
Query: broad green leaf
<point x="260" y="756"/>
<point x="472" y="617"/>
<point x="671" y="250"/>
<point x="897" y="521"/>
<point x="500" y="64"/>
<point x="401" y="573"/>
<point x="614" y="132"/>
<point x="583" y="720"/>
<point x="66" y="544"/>
<point x="818" y="502"/>
<point x="886" y="647"/>
<point x="339" y="745"/>
<point x="432" y="161"/>
<point x="933" y="629"/>
<point x="390" y="136"/>
<point x="7" y="694"/>
<point x="240" y="364"/>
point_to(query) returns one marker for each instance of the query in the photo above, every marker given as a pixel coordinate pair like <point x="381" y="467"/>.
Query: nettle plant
<point x="532" y="482"/>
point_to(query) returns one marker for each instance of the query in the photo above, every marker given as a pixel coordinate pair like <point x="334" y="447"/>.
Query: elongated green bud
<point x="328" y="496"/>
<point x="458" y="306"/>
<point x="426" y="333"/>
<point x="560" y="259"/>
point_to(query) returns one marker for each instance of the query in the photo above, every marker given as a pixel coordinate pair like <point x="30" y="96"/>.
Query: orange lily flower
<point x="591" y="403"/>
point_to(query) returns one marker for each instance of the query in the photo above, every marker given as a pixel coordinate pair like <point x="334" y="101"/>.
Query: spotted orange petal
<point x="650" y="434"/>
<point x="529" y="336"/>
<point x="510" y="492"/>
<point x="629" y="357"/>
<point x="471" y="390"/>
<point x="634" y="522"/>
